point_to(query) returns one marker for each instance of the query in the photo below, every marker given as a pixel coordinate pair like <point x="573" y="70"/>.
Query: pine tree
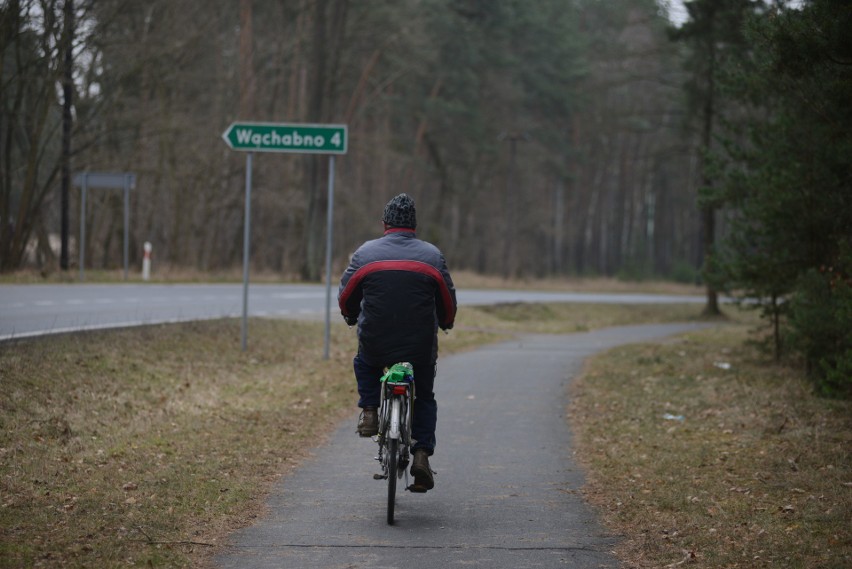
<point x="791" y="181"/>
<point x="714" y="35"/>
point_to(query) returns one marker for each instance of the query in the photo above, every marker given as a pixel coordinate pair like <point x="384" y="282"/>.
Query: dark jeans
<point x="425" y="408"/>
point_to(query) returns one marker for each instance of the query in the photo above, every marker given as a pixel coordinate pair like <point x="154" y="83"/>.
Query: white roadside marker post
<point x="146" y="261"/>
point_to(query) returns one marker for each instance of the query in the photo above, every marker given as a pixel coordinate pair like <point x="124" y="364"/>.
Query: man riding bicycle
<point x="398" y="290"/>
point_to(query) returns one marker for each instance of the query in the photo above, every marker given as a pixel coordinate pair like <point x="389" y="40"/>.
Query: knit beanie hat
<point x="400" y="212"/>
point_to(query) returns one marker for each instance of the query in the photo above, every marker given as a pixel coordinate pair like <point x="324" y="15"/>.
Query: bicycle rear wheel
<point x="393" y="462"/>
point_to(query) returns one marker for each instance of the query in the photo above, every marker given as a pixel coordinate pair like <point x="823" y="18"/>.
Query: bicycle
<point x="395" y="412"/>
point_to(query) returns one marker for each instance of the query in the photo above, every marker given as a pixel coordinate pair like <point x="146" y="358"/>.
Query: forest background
<point x="579" y="103"/>
<point x="546" y="138"/>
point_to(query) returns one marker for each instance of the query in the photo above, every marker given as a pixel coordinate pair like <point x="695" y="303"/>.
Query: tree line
<point x="770" y="85"/>
<point x="538" y="138"/>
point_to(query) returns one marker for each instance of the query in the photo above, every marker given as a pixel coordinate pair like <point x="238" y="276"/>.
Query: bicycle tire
<point x="393" y="462"/>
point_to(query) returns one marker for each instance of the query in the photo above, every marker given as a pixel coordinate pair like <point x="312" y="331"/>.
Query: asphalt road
<point x="33" y="310"/>
<point x="507" y="489"/>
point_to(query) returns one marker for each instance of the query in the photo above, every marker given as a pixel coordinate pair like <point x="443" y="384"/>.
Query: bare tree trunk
<point x="420" y="134"/>
<point x="26" y="113"/>
<point x="327" y="47"/>
<point x="558" y="226"/>
<point x="67" y="93"/>
<point x="708" y="211"/>
<point x="358" y="93"/>
<point x="510" y="200"/>
<point x="248" y="86"/>
<point x="310" y="262"/>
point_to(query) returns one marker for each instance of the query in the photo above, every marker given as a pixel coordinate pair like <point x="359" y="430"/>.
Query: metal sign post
<point x="246" y="244"/>
<point x="111" y="180"/>
<point x="289" y="138"/>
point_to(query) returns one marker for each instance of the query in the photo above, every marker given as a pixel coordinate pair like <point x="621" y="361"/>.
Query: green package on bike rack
<point x="399" y="373"/>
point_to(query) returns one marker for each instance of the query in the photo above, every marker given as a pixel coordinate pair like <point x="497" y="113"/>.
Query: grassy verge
<point x="463" y="279"/>
<point x="147" y="446"/>
<point x="139" y="447"/>
<point x="160" y="276"/>
<point x="697" y="462"/>
<point x="570" y="318"/>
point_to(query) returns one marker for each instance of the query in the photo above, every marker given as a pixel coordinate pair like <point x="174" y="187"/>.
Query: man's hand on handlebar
<point x="351" y="320"/>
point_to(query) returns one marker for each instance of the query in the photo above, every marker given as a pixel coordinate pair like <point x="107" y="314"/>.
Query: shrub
<point x="821" y="322"/>
<point x="684" y="272"/>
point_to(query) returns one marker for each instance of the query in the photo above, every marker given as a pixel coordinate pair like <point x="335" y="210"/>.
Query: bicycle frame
<point x="396" y="410"/>
<point x="391" y="410"/>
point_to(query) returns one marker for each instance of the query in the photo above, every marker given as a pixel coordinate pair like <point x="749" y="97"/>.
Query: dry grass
<point x="147" y="446"/>
<point x="757" y="473"/>
<point x="140" y="447"/>
<point x="465" y="279"/>
<point x="462" y="279"/>
<point x="565" y="318"/>
<point x="163" y="274"/>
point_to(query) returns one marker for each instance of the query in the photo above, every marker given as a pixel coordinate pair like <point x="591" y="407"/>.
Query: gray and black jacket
<point x="401" y="292"/>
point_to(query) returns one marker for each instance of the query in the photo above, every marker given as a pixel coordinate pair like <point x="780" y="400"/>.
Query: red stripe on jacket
<point x="410" y="266"/>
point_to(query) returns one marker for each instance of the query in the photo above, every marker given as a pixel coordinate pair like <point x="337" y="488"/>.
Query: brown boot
<point x="421" y="472"/>
<point x="368" y="423"/>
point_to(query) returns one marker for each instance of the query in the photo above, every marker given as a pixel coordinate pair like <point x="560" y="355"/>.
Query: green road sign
<point x="282" y="137"/>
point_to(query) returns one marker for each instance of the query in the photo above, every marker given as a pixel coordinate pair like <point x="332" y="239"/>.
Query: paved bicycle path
<point x="507" y="487"/>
